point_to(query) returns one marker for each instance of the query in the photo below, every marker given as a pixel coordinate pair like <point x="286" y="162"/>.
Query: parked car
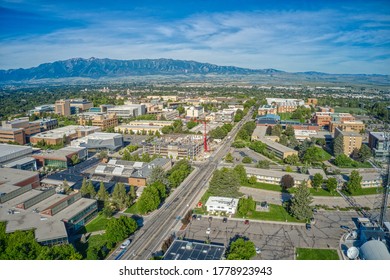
<point x="312" y="221"/>
<point x="224" y="220"/>
<point x="199" y="217"/>
<point x="194" y="217"/>
<point x="345" y="227"/>
<point x="208" y="230"/>
<point x="258" y="251"/>
<point x="246" y="222"/>
<point x="210" y="219"/>
<point x="125" y="244"/>
<point x="308" y="226"/>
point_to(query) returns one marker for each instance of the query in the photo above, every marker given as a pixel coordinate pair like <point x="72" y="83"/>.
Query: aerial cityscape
<point x="204" y="130"/>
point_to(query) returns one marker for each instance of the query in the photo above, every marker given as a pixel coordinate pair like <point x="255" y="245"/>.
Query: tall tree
<point x="317" y="181"/>
<point x="241" y="249"/>
<point x="338" y="146"/>
<point x="149" y="200"/>
<point x="276" y="130"/>
<point x="287" y="181"/>
<point x="241" y="172"/>
<point x="84" y="187"/>
<point x="364" y="153"/>
<point x="91" y="189"/>
<point x="229" y="157"/>
<point x="289" y="131"/>
<point x="245" y="206"/>
<point x="300" y="203"/>
<point x="120" y="197"/>
<point x="119" y="229"/>
<point x="355" y="182"/>
<point x="331" y="185"/>
<point x="102" y="193"/>
<point x="158" y="174"/>
<point x="225" y="182"/>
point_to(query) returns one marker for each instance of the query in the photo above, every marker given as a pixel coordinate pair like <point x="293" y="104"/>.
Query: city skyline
<point x="332" y="37"/>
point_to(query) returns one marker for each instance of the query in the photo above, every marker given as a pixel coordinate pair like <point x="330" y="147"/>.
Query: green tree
<point x="291" y="159"/>
<point x="149" y="200"/>
<point x="289" y="131"/>
<point x="252" y="180"/>
<point x="158" y="174"/>
<point x="229" y="157"/>
<point x="289" y="169"/>
<point x="84" y="187"/>
<point x="246" y="206"/>
<point x="276" y="130"/>
<point x="133" y="194"/>
<point x="102" y="193"/>
<point x="66" y="187"/>
<point x="338" y="146"/>
<point x="91" y="189"/>
<point x="119" y="229"/>
<point x="241" y="249"/>
<point x="162" y="190"/>
<point x="75" y="159"/>
<point x="364" y="153"/>
<point x="317" y="181"/>
<point x="247" y="160"/>
<point x="354" y="183"/>
<point x="300" y="203"/>
<point x="287" y="181"/>
<point x="102" y="155"/>
<point x="241" y="172"/>
<point x="120" y="197"/>
<point x="331" y="185"/>
<point x="263" y="164"/>
<point x="191" y="124"/>
<point x="225" y="182"/>
<point x="181" y="109"/>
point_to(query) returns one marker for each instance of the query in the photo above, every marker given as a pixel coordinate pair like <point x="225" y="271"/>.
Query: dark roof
<point x="64" y="176"/>
<point x="186" y="250"/>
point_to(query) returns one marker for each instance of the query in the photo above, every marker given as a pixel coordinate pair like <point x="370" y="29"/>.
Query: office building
<point x="12" y="135"/>
<point x="9" y="153"/>
<point x="62" y="107"/>
<point x="194" y="112"/>
<point x="217" y="204"/>
<point x="103" y="121"/>
<point x="127" y="111"/>
<point x="48" y="108"/>
<point x="83" y="105"/>
<point x="46" y="124"/>
<point x="379" y="142"/>
<point x="61" y="158"/>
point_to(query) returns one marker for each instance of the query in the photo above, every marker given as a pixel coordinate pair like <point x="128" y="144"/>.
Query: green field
<point x="99" y="223"/>
<point x="366" y="191"/>
<point x="276" y="213"/>
<point x="348" y="110"/>
<point x="132" y="209"/>
<point x="97" y="247"/>
<point x="278" y="188"/>
<point x="325" y="155"/>
<point x="316" y="254"/>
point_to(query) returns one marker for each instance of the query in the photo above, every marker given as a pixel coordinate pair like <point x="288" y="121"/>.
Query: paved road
<point x="276" y="197"/>
<point x="276" y="240"/>
<point x="149" y="238"/>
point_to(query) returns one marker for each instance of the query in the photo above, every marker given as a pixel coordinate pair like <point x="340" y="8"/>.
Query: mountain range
<point x="95" y="68"/>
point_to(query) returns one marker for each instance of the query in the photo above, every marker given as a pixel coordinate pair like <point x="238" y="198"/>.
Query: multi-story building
<point x="355" y="126"/>
<point x="46" y="124"/>
<point x="12" y="135"/>
<point x="63" y="134"/>
<point x="169" y="114"/>
<point x="9" y="153"/>
<point x="103" y="121"/>
<point x="267" y="109"/>
<point x="128" y="111"/>
<point x="225" y="116"/>
<point x="194" y="112"/>
<point x="326" y="109"/>
<point x="325" y="118"/>
<point x="274" y="177"/>
<point x="312" y="101"/>
<point x="62" y="107"/>
<point x="379" y="142"/>
<point x="222" y="204"/>
<point x="83" y="105"/>
<point x="351" y="140"/>
<point x="48" y="108"/>
<point x="53" y="216"/>
<point x="30" y="128"/>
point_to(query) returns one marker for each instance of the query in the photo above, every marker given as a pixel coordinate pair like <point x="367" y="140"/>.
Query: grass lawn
<point x="132" y="209"/>
<point x="357" y="164"/>
<point x="316" y="254"/>
<point x="278" y="188"/>
<point x="99" y="223"/>
<point x="325" y="155"/>
<point x="347" y="110"/>
<point x="366" y="191"/>
<point x="275" y="213"/>
<point x="96" y="243"/>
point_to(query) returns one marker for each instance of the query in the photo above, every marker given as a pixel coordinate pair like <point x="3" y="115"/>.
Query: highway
<point x="161" y="224"/>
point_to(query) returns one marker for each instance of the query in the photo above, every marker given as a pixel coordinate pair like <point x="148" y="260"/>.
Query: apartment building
<point x="355" y="126"/>
<point x="351" y="140"/>
<point x="267" y="109"/>
<point x="274" y="177"/>
<point x="325" y="118"/>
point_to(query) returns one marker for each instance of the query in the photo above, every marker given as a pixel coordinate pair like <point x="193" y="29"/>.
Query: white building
<point x="100" y="140"/>
<point x="194" y="112"/>
<point x="222" y="204"/>
<point x="128" y="111"/>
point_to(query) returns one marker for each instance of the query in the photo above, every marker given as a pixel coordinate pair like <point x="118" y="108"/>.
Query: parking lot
<point x="276" y="241"/>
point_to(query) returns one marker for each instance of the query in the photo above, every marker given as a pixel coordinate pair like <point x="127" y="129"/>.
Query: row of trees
<point x="145" y="157"/>
<point x="221" y="132"/>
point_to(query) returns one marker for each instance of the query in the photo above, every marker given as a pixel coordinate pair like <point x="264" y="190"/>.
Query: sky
<point x="295" y="36"/>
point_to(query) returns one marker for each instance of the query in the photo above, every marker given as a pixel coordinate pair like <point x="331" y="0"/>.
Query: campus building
<point x="103" y="121"/>
<point x="127" y="111"/>
<point x="61" y="158"/>
<point x="274" y="177"/>
<point x="62" y="107"/>
<point x="379" y="142"/>
<point x="12" y="135"/>
<point x="217" y="204"/>
<point x="100" y="141"/>
<point x="351" y="140"/>
<point x="355" y="126"/>
<point x="267" y="109"/>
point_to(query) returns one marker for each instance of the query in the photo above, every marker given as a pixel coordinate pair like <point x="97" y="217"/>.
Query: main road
<point x="162" y="223"/>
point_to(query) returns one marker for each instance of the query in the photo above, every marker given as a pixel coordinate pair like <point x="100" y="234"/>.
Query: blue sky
<point x="326" y="36"/>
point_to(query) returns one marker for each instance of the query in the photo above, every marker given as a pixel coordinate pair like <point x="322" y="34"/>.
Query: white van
<point x="125" y="244"/>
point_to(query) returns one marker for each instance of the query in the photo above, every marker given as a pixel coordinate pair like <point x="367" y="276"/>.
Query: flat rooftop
<point x="14" y="176"/>
<point x="7" y="150"/>
<point x="67" y="130"/>
<point x="186" y="250"/>
<point x="275" y="173"/>
<point x="74" y="208"/>
<point x="19" y="161"/>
